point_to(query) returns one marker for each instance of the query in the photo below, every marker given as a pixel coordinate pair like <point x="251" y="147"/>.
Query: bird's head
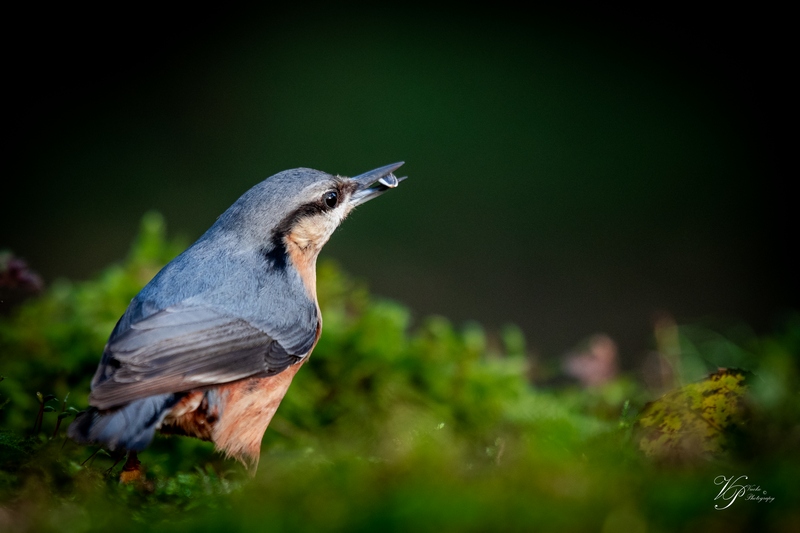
<point x="293" y="214"/>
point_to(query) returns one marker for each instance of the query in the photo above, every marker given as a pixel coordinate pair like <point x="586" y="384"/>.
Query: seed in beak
<point x="389" y="181"/>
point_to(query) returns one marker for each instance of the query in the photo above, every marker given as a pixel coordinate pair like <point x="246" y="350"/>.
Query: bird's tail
<point x="129" y="427"/>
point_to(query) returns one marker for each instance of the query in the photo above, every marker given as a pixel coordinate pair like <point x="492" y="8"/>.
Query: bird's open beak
<point x="374" y="183"/>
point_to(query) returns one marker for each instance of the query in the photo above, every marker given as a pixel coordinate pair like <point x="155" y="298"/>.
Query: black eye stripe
<point x="306" y="210"/>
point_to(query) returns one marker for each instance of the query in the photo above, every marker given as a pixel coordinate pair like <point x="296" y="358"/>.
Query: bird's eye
<point x="331" y="198"/>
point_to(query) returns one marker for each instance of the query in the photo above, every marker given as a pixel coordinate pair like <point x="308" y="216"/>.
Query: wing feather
<point x="181" y="348"/>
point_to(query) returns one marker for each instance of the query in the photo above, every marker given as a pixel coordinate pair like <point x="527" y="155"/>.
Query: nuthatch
<point x="210" y="345"/>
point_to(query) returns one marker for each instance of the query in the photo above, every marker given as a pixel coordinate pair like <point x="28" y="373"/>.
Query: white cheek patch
<point x="311" y="233"/>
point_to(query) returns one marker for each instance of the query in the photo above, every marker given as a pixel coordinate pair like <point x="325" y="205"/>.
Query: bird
<point x="209" y="347"/>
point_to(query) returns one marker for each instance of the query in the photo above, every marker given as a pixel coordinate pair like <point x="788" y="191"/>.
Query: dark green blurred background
<point x="570" y="173"/>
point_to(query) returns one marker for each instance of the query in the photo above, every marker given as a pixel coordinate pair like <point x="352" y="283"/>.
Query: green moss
<point x="398" y="423"/>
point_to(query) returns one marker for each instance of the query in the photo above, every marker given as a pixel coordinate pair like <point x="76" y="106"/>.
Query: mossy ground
<point x="402" y="424"/>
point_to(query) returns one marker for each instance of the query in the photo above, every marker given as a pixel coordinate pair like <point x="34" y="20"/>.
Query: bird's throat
<point x="304" y="259"/>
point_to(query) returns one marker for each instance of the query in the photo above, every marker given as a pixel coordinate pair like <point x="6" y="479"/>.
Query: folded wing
<point x="182" y="348"/>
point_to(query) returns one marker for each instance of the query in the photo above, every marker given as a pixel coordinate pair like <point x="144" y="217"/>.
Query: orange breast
<point x="249" y="406"/>
<point x="234" y="416"/>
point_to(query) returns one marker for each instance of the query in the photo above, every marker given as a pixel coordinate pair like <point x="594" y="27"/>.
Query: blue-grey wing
<point x="182" y="347"/>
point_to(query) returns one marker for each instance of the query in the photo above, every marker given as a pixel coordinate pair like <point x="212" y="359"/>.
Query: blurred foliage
<point x="695" y="421"/>
<point x="398" y="423"/>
